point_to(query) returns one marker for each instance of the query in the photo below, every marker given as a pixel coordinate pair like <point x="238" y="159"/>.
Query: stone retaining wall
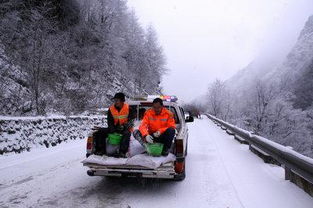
<point x="18" y="134"/>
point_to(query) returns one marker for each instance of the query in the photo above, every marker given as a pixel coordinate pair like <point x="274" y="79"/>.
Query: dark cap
<point x="120" y="96"/>
<point x="158" y="100"/>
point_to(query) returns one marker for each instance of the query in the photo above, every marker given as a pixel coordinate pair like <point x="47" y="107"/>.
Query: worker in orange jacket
<point x="119" y="120"/>
<point x="158" y="125"/>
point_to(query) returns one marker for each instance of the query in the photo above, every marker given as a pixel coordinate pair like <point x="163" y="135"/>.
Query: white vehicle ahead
<point x="174" y="169"/>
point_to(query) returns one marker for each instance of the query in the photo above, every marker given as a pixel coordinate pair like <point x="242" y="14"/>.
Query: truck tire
<point x="90" y="173"/>
<point x="181" y="176"/>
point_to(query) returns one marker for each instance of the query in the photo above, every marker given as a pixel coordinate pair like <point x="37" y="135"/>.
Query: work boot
<point x="116" y="155"/>
<point x="122" y="155"/>
<point x="100" y="152"/>
<point x="137" y="135"/>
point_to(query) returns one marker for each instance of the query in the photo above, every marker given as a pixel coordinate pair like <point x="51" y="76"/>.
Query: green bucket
<point x="154" y="149"/>
<point x="114" y="138"/>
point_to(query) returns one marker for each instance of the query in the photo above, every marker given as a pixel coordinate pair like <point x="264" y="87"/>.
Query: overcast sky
<point x="208" y="39"/>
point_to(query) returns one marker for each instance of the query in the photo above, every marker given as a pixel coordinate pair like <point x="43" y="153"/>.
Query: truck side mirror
<point x="189" y="119"/>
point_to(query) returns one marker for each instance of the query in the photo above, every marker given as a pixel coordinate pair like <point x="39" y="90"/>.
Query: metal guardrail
<point x="298" y="168"/>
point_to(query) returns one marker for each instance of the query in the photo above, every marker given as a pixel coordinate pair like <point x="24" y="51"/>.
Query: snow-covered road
<point x="221" y="173"/>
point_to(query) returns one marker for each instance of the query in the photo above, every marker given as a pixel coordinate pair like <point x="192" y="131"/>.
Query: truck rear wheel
<point x="90" y="173"/>
<point x="181" y="176"/>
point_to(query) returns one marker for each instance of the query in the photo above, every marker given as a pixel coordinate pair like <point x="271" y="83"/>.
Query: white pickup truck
<point x="171" y="170"/>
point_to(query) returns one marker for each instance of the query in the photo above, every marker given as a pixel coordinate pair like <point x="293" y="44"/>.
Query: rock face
<point x="23" y="133"/>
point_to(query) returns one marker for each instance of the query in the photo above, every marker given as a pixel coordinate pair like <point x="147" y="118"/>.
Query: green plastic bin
<point x="114" y="138"/>
<point x="154" y="149"/>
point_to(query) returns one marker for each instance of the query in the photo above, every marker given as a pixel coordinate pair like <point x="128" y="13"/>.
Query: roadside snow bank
<point x="23" y="133"/>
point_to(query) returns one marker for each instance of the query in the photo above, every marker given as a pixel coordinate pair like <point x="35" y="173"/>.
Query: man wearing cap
<point x="119" y="120"/>
<point x="158" y="125"/>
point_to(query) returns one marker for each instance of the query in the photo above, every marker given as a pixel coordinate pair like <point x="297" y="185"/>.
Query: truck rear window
<point x="139" y="111"/>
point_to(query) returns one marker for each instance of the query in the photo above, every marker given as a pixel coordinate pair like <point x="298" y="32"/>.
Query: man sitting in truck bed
<point x="158" y="125"/>
<point x="120" y="120"/>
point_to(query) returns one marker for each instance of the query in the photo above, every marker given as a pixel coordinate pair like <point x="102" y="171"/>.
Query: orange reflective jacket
<point x="120" y="117"/>
<point x="152" y="122"/>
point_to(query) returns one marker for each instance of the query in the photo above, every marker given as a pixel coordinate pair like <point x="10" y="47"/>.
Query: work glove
<point x="149" y="139"/>
<point x="157" y="134"/>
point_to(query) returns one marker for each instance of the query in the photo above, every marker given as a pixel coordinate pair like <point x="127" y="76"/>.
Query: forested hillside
<point x="270" y="100"/>
<point x="68" y="56"/>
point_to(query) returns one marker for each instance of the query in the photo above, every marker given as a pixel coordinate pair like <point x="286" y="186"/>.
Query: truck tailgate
<point x="164" y="171"/>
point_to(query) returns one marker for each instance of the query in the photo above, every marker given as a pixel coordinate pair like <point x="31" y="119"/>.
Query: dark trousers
<point x="166" y="138"/>
<point x="100" y="140"/>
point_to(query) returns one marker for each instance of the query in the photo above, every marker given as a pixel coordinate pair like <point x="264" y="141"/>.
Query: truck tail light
<point x="89" y="143"/>
<point x="179" y="148"/>
<point x="179" y="166"/>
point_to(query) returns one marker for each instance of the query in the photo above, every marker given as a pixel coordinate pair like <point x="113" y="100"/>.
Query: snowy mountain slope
<point x="275" y="98"/>
<point x="274" y="71"/>
<point x="248" y="76"/>
<point x="15" y="93"/>
<point x="299" y="58"/>
<point x="74" y="56"/>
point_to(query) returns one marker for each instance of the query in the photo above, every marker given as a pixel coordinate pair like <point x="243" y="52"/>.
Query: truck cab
<point x="171" y="170"/>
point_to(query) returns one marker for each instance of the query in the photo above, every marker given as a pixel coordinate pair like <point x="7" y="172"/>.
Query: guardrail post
<point x="299" y="181"/>
<point x="288" y="173"/>
<point x="265" y="157"/>
<point x="229" y="132"/>
<point x="240" y="139"/>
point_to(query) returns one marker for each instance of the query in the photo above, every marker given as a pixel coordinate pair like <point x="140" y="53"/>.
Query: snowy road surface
<point x="221" y="173"/>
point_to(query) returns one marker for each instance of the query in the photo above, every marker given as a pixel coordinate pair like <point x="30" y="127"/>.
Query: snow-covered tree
<point x="75" y="54"/>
